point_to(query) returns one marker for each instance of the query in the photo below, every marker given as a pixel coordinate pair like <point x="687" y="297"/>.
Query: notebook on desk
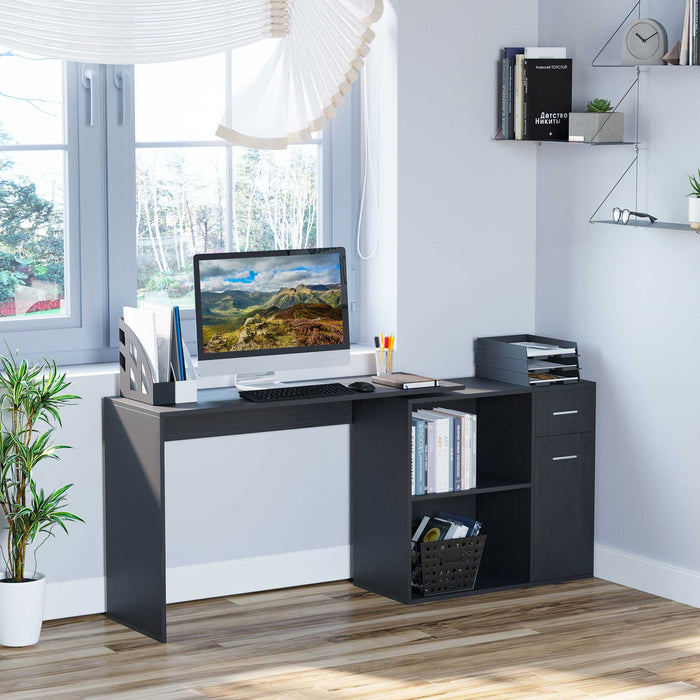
<point x="405" y="381"/>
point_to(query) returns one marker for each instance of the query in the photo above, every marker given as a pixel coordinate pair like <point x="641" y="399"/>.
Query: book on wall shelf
<point x="535" y="95"/>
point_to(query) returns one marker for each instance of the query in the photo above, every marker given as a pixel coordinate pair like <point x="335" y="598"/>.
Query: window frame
<point x="77" y="334"/>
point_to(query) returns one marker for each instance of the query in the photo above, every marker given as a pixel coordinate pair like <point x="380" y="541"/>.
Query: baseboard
<point x="258" y="574"/>
<point x="87" y="596"/>
<point x="73" y="598"/>
<point x="647" y="575"/>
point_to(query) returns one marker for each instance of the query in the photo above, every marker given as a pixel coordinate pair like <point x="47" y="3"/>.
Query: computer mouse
<point x="361" y="386"/>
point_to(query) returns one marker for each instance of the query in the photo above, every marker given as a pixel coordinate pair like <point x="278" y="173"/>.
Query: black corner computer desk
<point x="534" y="493"/>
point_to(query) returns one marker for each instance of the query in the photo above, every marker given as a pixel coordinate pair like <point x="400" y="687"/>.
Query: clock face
<point x="643" y="40"/>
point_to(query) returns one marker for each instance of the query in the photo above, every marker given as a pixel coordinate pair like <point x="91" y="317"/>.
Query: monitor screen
<point x="270" y="303"/>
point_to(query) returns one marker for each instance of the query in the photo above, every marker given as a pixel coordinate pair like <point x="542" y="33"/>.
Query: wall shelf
<point x="668" y="225"/>
<point x="570" y="143"/>
<point x="640" y="65"/>
<point x="634" y="165"/>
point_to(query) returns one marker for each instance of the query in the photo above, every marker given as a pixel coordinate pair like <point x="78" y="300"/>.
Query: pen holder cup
<point x="385" y="360"/>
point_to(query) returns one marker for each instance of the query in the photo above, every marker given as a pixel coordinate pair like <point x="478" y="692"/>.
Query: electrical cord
<point x="368" y="170"/>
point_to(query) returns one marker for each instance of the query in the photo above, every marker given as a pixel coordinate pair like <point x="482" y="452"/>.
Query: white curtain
<point x="294" y="59"/>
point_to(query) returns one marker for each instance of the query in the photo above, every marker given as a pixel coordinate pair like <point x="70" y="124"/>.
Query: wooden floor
<point x="333" y="641"/>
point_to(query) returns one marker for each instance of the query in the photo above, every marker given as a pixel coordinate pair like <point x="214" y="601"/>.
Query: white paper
<point x="143" y="324"/>
<point x="164" y="323"/>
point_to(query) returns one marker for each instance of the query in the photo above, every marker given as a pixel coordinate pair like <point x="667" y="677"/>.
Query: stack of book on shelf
<point x="690" y="43"/>
<point x="443" y="451"/>
<point x="459" y="573"/>
<point x="535" y="95"/>
<point x="529" y="360"/>
<point x="445" y="527"/>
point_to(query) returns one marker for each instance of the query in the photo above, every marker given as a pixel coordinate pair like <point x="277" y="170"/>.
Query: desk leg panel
<point x="380" y="494"/>
<point x="134" y="519"/>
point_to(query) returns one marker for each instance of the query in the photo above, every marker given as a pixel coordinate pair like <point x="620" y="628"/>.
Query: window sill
<point x="361" y="364"/>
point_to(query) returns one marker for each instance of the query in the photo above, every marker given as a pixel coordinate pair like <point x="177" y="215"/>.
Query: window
<point x="197" y="194"/>
<point x="33" y="151"/>
<point x="52" y="278"/>
<point x="111" y="178"/>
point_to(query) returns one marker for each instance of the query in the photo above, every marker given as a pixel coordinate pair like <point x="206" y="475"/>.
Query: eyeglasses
<point x="623" y="215"/>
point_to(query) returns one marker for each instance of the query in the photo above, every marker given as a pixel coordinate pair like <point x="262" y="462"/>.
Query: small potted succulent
<point x="31" y="397"/>
<point x="598" y="124"/>
<point x="694" y="201"/>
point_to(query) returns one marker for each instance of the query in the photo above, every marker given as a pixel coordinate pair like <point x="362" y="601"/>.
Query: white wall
<point x="380" y="221"/>
<point x="466" y="222"/>
<point x="631" y="296"/>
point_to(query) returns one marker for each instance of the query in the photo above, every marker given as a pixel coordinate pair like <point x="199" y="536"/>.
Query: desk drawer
<point x="564" y="411"/>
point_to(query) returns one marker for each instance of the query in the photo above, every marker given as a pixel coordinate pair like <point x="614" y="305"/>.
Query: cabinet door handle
<point x="564" y="413"/>
<point x="561" y="459"/>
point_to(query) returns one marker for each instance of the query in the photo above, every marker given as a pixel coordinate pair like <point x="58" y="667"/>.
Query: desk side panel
<point x="134" y="519"/>
<point x="380" y="492"/>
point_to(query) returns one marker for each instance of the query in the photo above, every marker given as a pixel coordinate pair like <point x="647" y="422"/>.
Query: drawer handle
<point x="561" y="459"/>
<point x="564" y="413"/>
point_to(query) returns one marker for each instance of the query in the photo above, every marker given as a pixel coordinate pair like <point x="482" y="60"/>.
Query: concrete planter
<point x="22" y="611"/>
<point x="607" y="127"/>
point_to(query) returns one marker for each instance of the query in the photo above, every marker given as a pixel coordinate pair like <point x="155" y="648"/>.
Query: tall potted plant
<point x="31" y="397"/>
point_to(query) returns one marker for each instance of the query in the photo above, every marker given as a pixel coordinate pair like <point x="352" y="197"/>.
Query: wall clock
<point x="645" y="43"/>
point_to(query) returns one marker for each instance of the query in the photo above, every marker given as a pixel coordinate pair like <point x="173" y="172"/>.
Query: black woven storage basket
<point x="450" y="566"/>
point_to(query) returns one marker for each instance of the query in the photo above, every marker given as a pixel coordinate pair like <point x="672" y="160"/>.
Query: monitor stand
<point x="256" y="380"/>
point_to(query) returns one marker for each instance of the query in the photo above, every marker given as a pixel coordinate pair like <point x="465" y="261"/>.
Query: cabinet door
<point x="563" y="506"/>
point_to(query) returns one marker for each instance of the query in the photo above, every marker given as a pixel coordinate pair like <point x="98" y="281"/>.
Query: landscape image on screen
<point x="270" y="302"/>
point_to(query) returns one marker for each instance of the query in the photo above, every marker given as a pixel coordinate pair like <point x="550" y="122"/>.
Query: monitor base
<point x="256" y="380"/>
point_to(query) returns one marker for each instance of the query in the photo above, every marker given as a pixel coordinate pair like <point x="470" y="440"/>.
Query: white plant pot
<point x="694" y="212"/>
<point x="22" y="611"/>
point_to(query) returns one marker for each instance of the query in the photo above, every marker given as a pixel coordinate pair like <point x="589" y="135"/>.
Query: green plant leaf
<point x="31" y="395"/>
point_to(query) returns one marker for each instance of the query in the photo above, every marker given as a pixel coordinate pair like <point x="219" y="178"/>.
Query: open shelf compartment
<point x="503" y="443"/>
<point x="505" y="517"/>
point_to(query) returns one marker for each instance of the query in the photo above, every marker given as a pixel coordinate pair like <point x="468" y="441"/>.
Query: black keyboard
<point x="310" y="391"/>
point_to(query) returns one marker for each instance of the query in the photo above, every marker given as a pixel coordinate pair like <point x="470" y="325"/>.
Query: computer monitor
<point x="266" y="311"/>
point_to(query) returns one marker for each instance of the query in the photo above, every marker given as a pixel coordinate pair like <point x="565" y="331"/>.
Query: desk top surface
<point x="227" y="399"/>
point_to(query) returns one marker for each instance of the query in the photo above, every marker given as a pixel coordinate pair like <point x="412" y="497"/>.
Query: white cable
<point x="368" y="169"/>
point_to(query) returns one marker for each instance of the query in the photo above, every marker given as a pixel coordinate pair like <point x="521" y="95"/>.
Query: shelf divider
<point x="486" y="482"/>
